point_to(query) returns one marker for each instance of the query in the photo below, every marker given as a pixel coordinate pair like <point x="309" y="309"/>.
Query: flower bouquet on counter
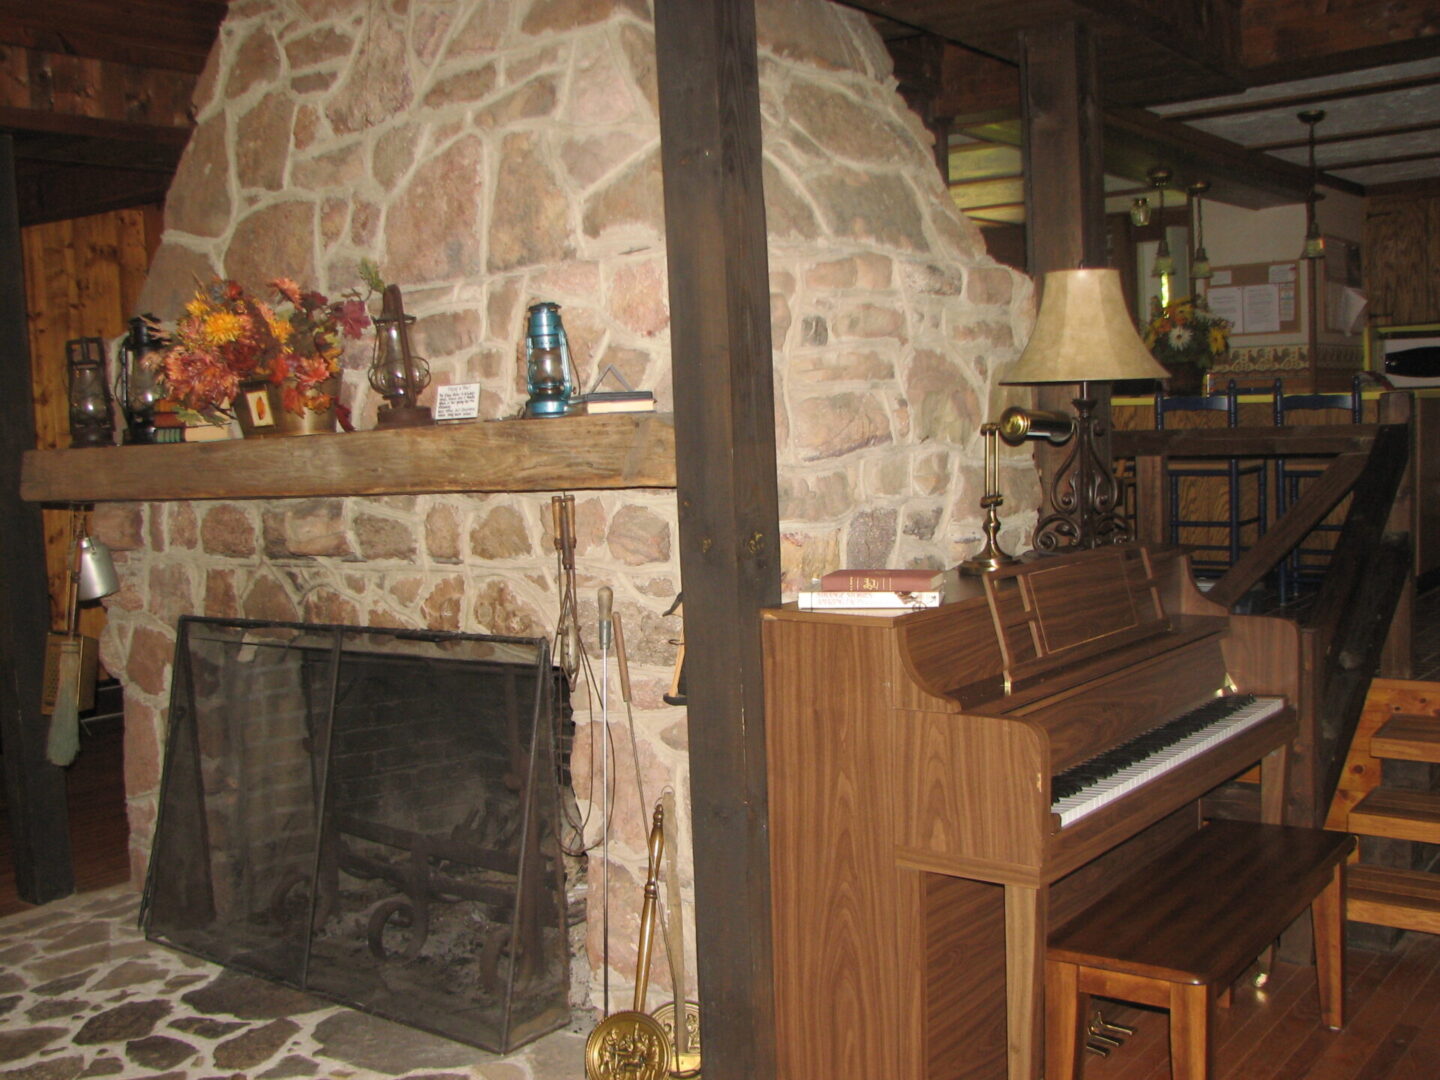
<point x="1186" y="332"/>
<point x="229" y="339"/>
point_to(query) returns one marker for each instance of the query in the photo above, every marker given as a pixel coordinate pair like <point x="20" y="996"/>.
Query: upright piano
<point x="920" y="844"/>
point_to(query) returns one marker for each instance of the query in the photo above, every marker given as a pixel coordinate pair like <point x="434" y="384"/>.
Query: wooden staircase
<point x="1401" y="723"/>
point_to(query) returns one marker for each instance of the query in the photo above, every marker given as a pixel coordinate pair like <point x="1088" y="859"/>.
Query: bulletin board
<point x="1257" y="298"/>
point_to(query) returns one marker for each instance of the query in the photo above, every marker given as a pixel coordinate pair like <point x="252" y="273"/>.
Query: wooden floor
<point x="1392" y="1028"/>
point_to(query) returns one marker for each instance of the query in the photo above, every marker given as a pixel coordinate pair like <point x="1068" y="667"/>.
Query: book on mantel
<point x="873" y="590"/>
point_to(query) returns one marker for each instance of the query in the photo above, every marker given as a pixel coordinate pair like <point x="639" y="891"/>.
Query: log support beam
<point x="707" y="72"/>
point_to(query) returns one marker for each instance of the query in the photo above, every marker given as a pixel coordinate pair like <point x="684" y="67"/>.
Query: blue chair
<point x="1305" y="567"/>
<point x="1212" y="556"/>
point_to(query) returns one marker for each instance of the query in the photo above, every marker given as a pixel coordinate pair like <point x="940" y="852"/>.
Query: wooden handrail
<point x="1319" y="497"/>
<point x="1310" y="441"/>
<point x="1369" y="567"/>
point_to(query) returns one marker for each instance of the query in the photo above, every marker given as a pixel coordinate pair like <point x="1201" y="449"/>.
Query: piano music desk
<point x="916" y="865"/>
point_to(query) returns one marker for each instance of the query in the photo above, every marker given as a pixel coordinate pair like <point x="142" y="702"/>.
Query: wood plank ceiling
<point x="96" y="92"/>
<point x="1211" y="89"/>
<point x="97" y="96"/>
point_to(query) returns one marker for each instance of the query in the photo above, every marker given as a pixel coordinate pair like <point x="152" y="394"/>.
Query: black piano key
<point x="1081" y="776"/>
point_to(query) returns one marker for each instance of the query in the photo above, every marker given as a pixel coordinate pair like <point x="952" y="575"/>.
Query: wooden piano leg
<point x="1067" y="1013"/>
<point x="1327" y="911"/>
<point x="1274" y="778"/>
<point x="1025" y="932"/>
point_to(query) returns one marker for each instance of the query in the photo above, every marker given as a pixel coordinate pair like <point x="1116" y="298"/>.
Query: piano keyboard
<point x="1089" y="786"/>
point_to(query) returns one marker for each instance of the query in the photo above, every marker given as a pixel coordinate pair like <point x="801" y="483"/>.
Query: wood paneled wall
<point x="1402" y="258"/>
<point x="82" y="279"/>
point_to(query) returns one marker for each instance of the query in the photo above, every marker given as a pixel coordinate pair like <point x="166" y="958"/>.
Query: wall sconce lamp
<point x="1314" y="238"/>
<point x="1083" y="334"/>
<point x="91" y="423"/>
<point x="397" y="373"/>
<point x="1164" y="261"/>
<point x="1200" y="263"/>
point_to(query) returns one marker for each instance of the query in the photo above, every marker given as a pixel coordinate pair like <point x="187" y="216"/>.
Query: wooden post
<point x="708" y="80"/>
<point x="34" y="789"/>
<point x="1063" y="142"/>
<point x="1064" y="188"/>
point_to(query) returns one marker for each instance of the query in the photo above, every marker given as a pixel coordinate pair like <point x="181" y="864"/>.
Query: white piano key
<point x="1086" y="801"/>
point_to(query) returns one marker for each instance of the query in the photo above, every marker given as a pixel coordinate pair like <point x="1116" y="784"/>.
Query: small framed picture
<point x="258" y="402"/>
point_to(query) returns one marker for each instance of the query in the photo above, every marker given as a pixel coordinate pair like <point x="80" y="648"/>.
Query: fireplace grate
<point x="369" y="815"/>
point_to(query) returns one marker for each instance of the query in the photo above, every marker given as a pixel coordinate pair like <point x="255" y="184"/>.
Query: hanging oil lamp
<point x="1314" y="247"/>
<point x="397" y="374"/>
<point x="90" y="421"/>
<point x="1199" y="262"/>
<point x="549" y="374"/>
<point x="140" y="390"/>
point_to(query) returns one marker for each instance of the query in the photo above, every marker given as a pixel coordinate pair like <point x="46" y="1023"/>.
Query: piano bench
<point x="1178" y="931"/>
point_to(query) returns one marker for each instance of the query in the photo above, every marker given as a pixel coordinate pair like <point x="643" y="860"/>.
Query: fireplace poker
<point x="632" y="1043"/>
<point x="605" y="601"/>
<point x="567" y="633"/>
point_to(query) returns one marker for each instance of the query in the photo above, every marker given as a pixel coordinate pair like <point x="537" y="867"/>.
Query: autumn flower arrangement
<point x="1186" y="331"/>
<point x="228" y="336"/>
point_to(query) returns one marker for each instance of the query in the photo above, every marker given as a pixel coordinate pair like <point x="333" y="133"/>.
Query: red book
<point x="883" y="580"/>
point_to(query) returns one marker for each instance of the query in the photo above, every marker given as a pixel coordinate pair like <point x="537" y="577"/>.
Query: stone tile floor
<point x="83" y="994"/>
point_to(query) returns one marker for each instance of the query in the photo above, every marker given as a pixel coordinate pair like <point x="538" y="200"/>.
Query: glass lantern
<point x="90" y="421"/>
<point x="397" y="374"/>
<point x="140" y="390"/>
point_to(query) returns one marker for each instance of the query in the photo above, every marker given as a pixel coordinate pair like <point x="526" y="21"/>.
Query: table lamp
<point x="1083" y="334"/>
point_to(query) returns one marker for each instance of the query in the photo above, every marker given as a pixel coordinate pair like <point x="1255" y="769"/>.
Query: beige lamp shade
<point x="1084" y="333"/>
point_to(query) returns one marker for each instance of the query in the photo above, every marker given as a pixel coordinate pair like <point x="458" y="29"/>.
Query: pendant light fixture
<point x="1200" y="262"/>
<point x="1140" y="212"/>
<point x="1314" y="238"/>
<point x="1164" y="261"/>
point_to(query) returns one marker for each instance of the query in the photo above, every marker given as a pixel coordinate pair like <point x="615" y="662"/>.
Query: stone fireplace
<point x="488" y="155"/>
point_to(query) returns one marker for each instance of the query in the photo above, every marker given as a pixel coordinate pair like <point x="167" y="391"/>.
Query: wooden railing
<point x="1369" y="577"/>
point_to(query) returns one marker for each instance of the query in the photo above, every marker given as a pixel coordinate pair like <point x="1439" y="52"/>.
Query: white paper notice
<point x="1262" y="309"/>
<point x="1282" y="272"/>
<point x="1225" y="302"/>
<point x="1221" y="277"/>
<point x="460" y="401"/>
<point x="1344" y="308"/>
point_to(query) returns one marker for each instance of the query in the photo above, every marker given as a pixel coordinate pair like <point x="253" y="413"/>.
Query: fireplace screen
<point x="371" y="816"/>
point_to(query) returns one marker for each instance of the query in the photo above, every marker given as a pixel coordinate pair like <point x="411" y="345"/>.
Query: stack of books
<point x="881" y="590"/>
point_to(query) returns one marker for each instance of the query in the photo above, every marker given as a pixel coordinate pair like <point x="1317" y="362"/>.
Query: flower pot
<point x="261" y="412"/>
<point x="1186" y="377"/>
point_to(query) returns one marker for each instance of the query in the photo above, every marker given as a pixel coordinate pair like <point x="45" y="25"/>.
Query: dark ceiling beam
<point x="1302" y="101"/>
<point x="1285" y="40"/>
<point x="59" y="193"/>
<point x="35" y="84"/>
<point x="159" y="34"/>
<point x="1349" y="136"/>
<point x="1394" y="159"/>
<point x="1136" y="140"/>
